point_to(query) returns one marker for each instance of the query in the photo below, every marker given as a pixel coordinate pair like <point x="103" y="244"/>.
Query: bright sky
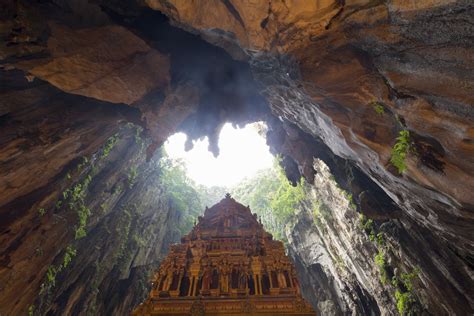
<point x="242" y="153"/>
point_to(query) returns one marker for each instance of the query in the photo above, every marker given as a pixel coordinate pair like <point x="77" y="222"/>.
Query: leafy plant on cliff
<point x="132" y="176"/>
<point x="400" y="150"/>
<point x="404" y="301"/>
<point x="68" y="255"/>
<point x="31" y="310"/>
<point x="83" y="212"/>
<point x="53" y="270"/>
<point x="404" y="294"/>
<point x="41" y="211"/>
<point x="366" y="224"/>
<point x="380" y="239"/>
<point x="378" y="107"/>
<point x="109" y="145"/>
<point x="51" y="275"/>
<point x="381" y="263"/>
<point x="80" y="166"/>
<point x="407" y="279"/>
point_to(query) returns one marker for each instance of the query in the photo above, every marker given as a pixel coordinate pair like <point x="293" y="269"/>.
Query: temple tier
<point x="227" y="265"/>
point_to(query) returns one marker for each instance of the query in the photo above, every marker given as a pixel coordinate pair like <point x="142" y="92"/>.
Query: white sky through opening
<point x="242" y="153"/>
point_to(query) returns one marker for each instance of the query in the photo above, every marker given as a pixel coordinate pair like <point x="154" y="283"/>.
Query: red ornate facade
<point x="227" y="265"/>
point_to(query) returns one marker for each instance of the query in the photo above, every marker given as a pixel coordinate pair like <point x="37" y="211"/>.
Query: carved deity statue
<point x="225" y="270"/>
<point x="281" y="279"/>
<point x="207" y="278"/>
<point x="243" y="278"/>
<point x="168" y="279"/>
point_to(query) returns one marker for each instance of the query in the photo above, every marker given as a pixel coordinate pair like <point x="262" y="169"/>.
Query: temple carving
<point x="227" y="265"/>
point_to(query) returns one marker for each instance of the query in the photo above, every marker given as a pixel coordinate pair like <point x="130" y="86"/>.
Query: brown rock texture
<point x="107" y="63"/>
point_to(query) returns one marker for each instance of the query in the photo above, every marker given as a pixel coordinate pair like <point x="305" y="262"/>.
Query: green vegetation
<point x="271" y="196"/>
<point x="182" y="191"/>
<point x="132" y="176"/>
<point x="103" y="207"/>
<point x="372" y="236"/>
<point x="320" y="211"/>
<point x="118" y="188"/>
<point x="68" y="255"/>
<point x="58" y="204"/>
<point x="41" y="212"/>
<point x="407" y="279"/>
<point x="123" y="230"/>
<point x="381" y="263"/>
<point x="400" y="150"/>
<point x="109" y="145"/>
<point x="404" y="289"/>
<point x="349" y="198"/>
<point x="378" y="107"/>
<point x="404" y="301"/>
<point x="404" y="294"/>
<point x="366" y="224"/>
<point x="80" y="166"/>
<point x="51" y="275"/>
<point x="76" y="197"/>
<point x="286" y="199"/>
<point x="380" y="240"/>
<point x="31" y="310"/>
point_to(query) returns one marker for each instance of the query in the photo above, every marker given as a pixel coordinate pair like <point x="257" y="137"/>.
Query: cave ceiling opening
<point x="242" y="152"/>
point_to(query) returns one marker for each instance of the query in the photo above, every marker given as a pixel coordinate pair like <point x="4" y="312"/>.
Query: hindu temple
<point x="227" y="265"/>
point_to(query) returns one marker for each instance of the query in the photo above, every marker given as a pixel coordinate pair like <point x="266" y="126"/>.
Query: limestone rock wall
<point x="128" y="224"/>
<point x="74" y="176"/>
<point x="349" y="264"/>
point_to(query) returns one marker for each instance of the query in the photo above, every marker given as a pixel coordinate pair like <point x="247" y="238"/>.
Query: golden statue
<point x="227" y="265"/>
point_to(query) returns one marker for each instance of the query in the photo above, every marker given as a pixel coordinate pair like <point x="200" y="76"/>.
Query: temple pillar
<point x="191" y="286"/>
<point x="257" y="274"/>
<point x="195" y="285"/>
<point x="258" y="287"/>
<point x="194" y="272"/>
<point x="291" y="281"/>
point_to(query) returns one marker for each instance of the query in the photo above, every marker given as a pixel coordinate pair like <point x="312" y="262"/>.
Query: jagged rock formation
<point x="335" y="80"/>
<point x="340" y="253"/>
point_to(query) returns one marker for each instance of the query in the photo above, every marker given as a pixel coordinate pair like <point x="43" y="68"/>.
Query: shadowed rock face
<point x="335" y="80"/>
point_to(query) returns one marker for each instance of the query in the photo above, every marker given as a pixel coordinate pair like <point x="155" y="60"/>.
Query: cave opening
<point x="242" y="153"/>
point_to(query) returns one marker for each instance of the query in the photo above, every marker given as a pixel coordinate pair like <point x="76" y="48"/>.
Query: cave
<point x="367" y="105"/>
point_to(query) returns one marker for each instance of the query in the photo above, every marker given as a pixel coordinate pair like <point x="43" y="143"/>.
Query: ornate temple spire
<point x="227" y="265"/>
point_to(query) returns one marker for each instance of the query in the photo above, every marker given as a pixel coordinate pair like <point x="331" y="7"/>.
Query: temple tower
<point x="227" y="265"/>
